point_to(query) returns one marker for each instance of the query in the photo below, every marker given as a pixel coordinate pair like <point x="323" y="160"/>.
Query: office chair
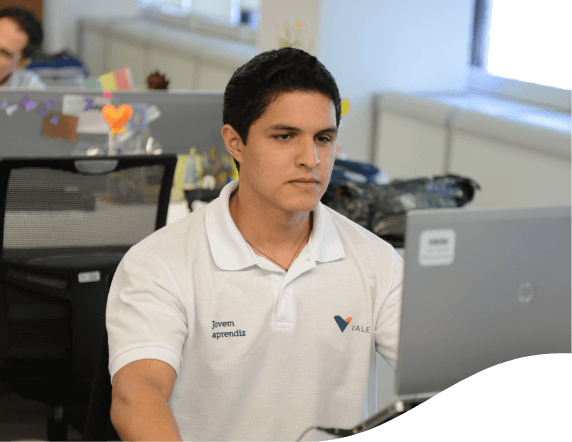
<point x="66" y="224"/>
<point x="98" y="426"/>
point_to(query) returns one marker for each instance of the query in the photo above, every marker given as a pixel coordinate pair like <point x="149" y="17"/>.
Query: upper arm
<point x="157" y="373"/>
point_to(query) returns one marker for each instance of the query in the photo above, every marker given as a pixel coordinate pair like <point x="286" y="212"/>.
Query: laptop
<point x="481" y="287"/>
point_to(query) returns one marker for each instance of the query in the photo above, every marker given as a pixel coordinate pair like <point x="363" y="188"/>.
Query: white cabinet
<point x="180" y="70"/>
<point x="519" y="155"/>
<point x="516" y="165"/>
<point x="411" y="136"/>
<point x="188" y="60"/>
<point x="94" y="51"/>
<point x="211" y="77"/>
<point x="122" y="53"/>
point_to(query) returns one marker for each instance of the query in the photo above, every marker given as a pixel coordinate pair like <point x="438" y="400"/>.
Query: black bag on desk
<point x="381" y="208"/>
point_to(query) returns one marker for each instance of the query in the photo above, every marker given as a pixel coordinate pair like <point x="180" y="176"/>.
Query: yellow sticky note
<point x="345" y="106"/>
<point x="177" y="193"/>
<point x="108" y="82"/>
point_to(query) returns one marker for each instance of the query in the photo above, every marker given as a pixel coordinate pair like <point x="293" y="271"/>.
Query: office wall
<point x="392" y="45"/>
<point x="216" y="8"/>
<point x="275" y="13"/>
<point x="60" y="19"/>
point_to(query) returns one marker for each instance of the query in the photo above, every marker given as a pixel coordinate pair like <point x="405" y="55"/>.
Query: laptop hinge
<point x="417" y="396"/>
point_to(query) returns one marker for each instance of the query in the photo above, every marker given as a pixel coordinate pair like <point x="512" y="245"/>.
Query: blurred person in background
<point x="21" y="36"/>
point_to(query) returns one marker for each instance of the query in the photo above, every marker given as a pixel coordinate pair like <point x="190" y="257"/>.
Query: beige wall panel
<point x="508" y="175"/>
<point x="94" y="52"/>
<point x="410" y="148"/>
<point x="124" y="51"/>
<point x="216" y="78"/>
<point x="178" y="68"/>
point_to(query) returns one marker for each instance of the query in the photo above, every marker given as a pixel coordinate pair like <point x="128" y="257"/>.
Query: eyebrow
<point x="4" y="51"/>
<point x="295" y="129"/>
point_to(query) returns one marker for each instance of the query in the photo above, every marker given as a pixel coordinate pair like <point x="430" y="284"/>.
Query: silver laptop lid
<point x="481" y="287"/>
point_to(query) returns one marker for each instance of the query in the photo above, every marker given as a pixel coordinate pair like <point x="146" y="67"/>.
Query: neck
<point x="274" y="234"/>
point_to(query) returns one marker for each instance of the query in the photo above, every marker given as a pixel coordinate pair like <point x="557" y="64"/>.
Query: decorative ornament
<point x="157" y="81"/>
<point x="116" y="117"/>
<point x="294" y="38"/>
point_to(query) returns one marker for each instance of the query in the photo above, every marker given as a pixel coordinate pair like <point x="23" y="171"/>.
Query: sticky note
<point x="108" y="82"/>
<point x="65" y="127"/>
<point x="139" y="119"/>
<point x="345" y="106"/>
<point x="122" y="79"/>
<point x="93" y="84"/>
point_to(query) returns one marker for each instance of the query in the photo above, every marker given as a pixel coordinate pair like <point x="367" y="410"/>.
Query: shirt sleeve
<point x="388" y="320"/>
<point x="145" y="317"/>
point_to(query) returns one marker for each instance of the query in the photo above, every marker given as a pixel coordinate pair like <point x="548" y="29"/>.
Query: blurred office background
<point x="478" y="88"/>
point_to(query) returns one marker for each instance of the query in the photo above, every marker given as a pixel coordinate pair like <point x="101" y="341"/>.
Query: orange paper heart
<point x="116" y="117"/>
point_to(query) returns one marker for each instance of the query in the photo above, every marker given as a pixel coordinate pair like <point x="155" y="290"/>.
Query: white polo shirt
<point x="260" y="354"/>
<point x="24" y="79"/>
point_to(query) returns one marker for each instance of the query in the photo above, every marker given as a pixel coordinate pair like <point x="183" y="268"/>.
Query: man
<point x="259" y="315"/>
<point x="20" y="38"/>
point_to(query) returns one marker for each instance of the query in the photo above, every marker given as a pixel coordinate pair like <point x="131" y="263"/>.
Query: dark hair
<point x="256" y="84"/>
<point x="30" y="25"/>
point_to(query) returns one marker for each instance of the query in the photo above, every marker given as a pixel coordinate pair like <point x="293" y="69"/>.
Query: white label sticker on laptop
<point x="437" y="247"/>
<point x="89" y="276"/>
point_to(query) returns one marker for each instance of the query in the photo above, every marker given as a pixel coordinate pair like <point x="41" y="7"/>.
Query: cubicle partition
<point x="177" y="121"/>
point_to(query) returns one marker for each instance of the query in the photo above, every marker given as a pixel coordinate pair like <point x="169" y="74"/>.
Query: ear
<point x="22" y="64"/>
<point x="233" y="142"/>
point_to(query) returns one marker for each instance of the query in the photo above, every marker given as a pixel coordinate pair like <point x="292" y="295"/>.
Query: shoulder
<point x="172" y="240"/>
<point x="362" y="245"/>
<point x="356" y="233"/>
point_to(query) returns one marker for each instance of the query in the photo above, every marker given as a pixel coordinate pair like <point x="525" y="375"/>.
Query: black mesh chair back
<point x="75" y="205"/>
<point x="65" y="224"/>
<point x="98" y="426"/>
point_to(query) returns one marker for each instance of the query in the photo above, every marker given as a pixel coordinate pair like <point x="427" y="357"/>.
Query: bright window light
<point x="530" y="41"/>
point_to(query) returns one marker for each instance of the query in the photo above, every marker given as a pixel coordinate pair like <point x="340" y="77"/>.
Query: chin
<point x="304" y="206"/>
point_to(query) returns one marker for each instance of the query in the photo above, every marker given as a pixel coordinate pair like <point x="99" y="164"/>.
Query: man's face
<point x="12" y="43"/>
<point x="293" y="139"/>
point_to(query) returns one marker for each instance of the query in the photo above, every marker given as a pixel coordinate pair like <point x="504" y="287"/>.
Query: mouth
<point x="304" y="184"/>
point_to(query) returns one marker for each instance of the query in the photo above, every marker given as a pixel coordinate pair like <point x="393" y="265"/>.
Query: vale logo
<point x="342" y="323"/>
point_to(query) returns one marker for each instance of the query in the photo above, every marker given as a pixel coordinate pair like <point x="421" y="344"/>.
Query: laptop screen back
<point x="481" y="287"/>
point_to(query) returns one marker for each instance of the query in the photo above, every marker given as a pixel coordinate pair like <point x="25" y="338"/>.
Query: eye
<point x="283" y="137"/>
<point x="324" y="139"/>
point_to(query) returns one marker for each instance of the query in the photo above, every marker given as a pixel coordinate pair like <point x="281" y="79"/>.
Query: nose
<point x="308" y="153"/>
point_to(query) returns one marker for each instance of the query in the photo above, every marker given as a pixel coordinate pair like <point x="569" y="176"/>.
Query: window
<point x="521" y="48"/>
<point x="174" y="7"/>
<point x="233" y="12"/>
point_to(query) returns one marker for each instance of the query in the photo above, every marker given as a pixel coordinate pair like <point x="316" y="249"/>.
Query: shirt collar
<point x="230" y="250"/>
